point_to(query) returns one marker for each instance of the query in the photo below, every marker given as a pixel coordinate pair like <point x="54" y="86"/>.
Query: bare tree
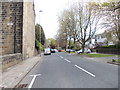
<point x="79" y="23"/>
<point x="88" y="18"/>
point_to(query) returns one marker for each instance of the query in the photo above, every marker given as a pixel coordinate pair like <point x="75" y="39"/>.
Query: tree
<point x="112" y="16"/>
<point x="39" y="34"/>
<point x="79" y="23"/>
<point x="89" y="15"/>
<point x="64" y="34"/>
<point x="52" y="43"/>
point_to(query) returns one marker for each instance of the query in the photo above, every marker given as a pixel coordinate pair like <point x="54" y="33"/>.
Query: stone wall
<point x="17" y="32"/>
<point x="0" y="28"/>
<point x="10" y="60"/>
<point x="12" y="21"/>
<point x="28" y="29"/>
<point x="0" y="41"/>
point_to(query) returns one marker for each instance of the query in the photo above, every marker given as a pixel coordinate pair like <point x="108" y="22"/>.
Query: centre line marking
<point x="33" y="80"/>
<point x="85" y="70"/>
<point x="68" y="60"/>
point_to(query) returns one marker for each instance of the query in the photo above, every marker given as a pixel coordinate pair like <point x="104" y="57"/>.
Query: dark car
<point x="52" y="51"/>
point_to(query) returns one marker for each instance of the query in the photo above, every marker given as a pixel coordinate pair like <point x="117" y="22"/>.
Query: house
<point x="17" y="31"/>
<point x="108" y="37"/>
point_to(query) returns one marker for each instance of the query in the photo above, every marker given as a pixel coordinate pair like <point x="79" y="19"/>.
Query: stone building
<point x="17" y="41"/>
<point x="28" y="29"/>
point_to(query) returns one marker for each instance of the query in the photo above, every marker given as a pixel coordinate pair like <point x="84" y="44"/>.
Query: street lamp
<point x="40" y="32"/>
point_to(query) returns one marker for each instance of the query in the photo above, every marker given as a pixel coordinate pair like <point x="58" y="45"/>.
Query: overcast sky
<point x="49" y="15"/>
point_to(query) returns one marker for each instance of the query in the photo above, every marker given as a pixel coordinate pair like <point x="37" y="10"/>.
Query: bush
<point x="38" y="45"/>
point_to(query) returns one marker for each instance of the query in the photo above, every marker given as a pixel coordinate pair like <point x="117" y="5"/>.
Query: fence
<point x="108" y="50"/>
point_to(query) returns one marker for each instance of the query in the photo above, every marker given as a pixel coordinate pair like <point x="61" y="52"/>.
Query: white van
<point x="47" y="51"/>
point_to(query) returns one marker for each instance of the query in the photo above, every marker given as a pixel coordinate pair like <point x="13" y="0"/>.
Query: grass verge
<point x="97" y="55"/>
<point x="118" y="61"/>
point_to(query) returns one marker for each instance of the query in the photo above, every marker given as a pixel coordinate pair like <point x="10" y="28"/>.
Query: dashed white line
<point x="85" y="70"/>
<point x="80" y="67"/>
<point x="68" y="60"/>
<point x="65" y="59"/>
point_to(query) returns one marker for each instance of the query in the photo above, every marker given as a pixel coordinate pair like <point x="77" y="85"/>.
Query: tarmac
<point x="13" y="75"/>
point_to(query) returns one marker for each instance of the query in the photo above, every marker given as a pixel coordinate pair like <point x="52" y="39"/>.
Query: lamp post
<point x="40" y="32"/>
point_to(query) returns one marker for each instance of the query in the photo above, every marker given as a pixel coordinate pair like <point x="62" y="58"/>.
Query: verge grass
<point x="97" y="55"/>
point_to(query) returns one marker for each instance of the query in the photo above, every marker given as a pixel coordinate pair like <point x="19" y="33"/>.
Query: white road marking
<point x="68" y="60"/>
<point x="61" y="56"/>
<point x="33" y="80"/>
<point x="85" y="70"/>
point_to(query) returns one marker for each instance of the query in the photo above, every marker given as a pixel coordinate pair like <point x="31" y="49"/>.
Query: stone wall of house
<point x="0" y="42"/>
<point x="28" y="29"/>
<point x="11" y="33"/>
<point x="17" y="32"/>
<point x="12" y="21"/>
<point x="0" y="28"/>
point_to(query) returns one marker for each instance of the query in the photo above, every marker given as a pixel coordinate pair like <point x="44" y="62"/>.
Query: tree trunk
<point x="69" y="43"/>
<point x="83" y="47"/>
<point x="74" y="43"/>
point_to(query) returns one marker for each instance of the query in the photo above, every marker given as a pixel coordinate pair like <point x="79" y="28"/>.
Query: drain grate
<point x="21" y="86"/>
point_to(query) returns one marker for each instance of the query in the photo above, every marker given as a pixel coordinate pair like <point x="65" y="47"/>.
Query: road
<point x="61" y="70"/>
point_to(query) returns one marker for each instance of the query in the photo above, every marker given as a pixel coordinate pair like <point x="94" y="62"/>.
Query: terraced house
<point x="17" y="31"/>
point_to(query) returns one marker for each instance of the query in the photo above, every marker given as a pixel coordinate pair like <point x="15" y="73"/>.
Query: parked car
<point x="52" y="50"/>
<point x="71" y="50"/>
<point x="86" y="50"/>
<point x="56" y="50"/>
<point x="47" y="51"/>
<point x="59" y="50"/>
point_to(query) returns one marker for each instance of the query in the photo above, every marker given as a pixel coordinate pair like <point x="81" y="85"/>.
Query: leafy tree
<point x="52" y="43"/>
<point x="39" y="34"/>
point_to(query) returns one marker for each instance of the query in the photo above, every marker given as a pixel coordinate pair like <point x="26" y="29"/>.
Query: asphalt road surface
<point x="61" y="70"/>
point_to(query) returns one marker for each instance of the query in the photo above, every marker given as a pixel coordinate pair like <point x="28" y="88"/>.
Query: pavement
<point x="16" y="73"/>
<point x="62" y="70"/>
